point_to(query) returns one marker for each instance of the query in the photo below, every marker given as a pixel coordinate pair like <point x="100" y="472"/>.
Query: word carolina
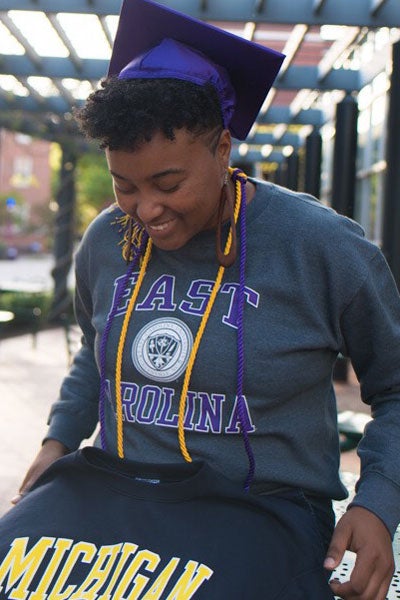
<point x="61" y="569"/>
<point x="153" y="405"/>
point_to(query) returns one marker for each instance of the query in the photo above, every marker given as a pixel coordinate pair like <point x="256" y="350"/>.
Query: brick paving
<point x="31" y="370"/>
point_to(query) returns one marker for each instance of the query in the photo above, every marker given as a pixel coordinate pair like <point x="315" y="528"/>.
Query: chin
<point x="168" y="244"/>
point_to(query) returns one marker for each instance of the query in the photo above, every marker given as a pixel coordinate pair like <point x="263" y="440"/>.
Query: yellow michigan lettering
<point x="19" y="565"/>
<point x="190" y="581"/>
<point x="130" y="575"/>
<point x="127" y="550"/>
<point x="98" y="574"/>
<point x="158" y="587"/>
<point x="60" y="548"/>
<point x="82" y="552"/>
<point x="115" y="566"/>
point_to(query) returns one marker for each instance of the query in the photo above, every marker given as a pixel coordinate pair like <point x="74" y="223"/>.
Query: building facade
<point x="25" y="191"/>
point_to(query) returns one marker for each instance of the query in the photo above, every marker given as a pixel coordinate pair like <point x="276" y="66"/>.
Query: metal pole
<point x="63" y="242"/>
<point x="344" y="158"/>
<point x="292" y="171"/>
<point x="391" y="219"/>
<point x="278" y="175"/>
<point x="312" y="178"/>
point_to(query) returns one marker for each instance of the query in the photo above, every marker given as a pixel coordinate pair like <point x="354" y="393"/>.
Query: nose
<point x="145" y="208"/>
<point x="148" y="209"/>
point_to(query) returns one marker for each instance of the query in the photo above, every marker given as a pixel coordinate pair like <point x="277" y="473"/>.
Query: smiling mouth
<point x="160" y="226"/>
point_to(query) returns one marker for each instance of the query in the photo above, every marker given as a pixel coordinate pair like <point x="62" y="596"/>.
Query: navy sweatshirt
<point x="94" y="527"/>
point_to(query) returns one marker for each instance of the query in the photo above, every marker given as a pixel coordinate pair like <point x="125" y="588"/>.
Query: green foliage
<point x="94" y="188"/>
<point x="15" y="215"/>
<point x="30" y="310"/>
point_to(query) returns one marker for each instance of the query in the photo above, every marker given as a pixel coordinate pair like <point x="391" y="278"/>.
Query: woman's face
<point x="172" y="187"/>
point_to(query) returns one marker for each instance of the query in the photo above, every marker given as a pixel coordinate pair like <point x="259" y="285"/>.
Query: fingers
<point x="341" y="540"/>
<point x="16" y="498"/>
<point x="49" y="452"/>
<point x="24" y="489"/>
<point x="369" y="580"/>
<point x="371" y="588"/>
<point x="374" y="566"/>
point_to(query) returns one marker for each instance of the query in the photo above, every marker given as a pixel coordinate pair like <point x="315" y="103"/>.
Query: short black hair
<point x="125" y="113"/>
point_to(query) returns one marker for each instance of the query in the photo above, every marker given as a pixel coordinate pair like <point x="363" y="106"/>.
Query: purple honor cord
<point x="237" y="175"/>
<point x="240" y="332"/>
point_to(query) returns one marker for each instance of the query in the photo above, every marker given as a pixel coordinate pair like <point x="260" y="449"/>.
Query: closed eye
<point x="123" y="192"/>
<point x="170" y="190"/>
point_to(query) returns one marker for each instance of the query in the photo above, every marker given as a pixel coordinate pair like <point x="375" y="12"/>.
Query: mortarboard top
<point x="252" y="68"/>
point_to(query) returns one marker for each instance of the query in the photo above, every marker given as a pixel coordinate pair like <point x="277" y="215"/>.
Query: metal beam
<point x="292" y="46"/>
<point x="259" y="6"/>
<point x="376" y="6"/>
<point x="338" y="50"/>
<point x="65" y="131"/>
<point x="64" y="93"/>
<point x="295" y="78"/>
<point x="66" y="41"/>
<point x="58" y="105"/>
<point x="53" y="67"/>
<point x="36" y="96"/>
<point x="267" y="139"/>
<point x="98" y="7"/>
<point x="299" y="77"/>
<point x="254" y="155"/>
<point x="45" y="129"/>
<point x="54" y="104"/>
<point x="318" y="4"/>
<point x="337" y="12"/>
<point x="29" y="50"/>
<point x="106" y="30"/>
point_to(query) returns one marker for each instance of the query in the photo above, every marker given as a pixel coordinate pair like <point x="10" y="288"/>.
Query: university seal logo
<point x="161" y="349"/>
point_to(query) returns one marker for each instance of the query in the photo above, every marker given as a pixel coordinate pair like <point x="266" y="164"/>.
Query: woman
<point x="213" y="308"/>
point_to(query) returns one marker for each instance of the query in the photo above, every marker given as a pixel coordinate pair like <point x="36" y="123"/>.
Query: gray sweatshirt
<point x="315" y="287"/>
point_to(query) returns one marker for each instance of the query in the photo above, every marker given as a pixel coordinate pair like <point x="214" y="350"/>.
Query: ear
<point x="223" y="151"/>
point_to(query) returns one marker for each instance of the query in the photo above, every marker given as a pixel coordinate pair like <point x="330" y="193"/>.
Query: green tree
<point x="94" y="189"/>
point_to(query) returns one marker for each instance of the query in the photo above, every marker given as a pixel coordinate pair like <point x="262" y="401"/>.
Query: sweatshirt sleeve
<point x="371" y="330"/>
<point x="74" y="415"/>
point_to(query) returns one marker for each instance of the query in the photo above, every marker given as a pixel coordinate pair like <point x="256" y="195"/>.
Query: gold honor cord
<point x="199" y="335"/>
<point x="121" y="345"/>
<point x="194" y="350"/>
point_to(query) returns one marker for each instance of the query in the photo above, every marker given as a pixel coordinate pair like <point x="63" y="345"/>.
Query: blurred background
<point x="330" y="127"/>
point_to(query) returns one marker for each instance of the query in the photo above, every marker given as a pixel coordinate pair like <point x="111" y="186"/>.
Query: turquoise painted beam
<point x="310" y="12"/>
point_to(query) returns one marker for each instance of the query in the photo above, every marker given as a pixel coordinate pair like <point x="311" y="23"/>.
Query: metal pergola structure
<point x="315" y="63"/>
<point x="321" y="39"/>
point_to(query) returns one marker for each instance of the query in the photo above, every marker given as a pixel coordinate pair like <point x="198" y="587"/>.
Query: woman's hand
<point x="49" y="452"/>
<point x="360" y="531"/>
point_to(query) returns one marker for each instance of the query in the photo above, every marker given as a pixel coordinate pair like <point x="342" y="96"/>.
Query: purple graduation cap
<point x="154" y="41"/>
